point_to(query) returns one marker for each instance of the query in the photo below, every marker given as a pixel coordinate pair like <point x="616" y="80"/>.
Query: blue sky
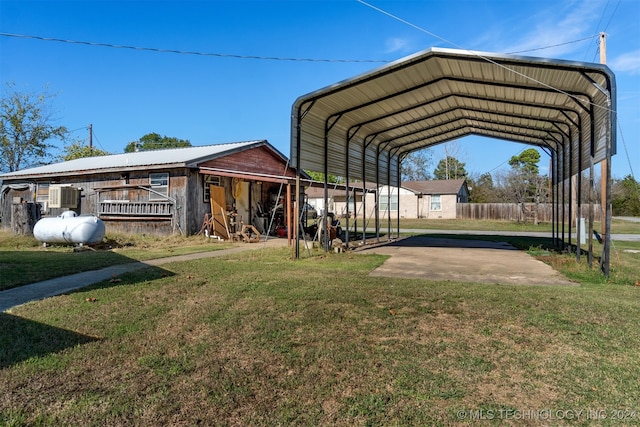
<point x="208" y="99"/>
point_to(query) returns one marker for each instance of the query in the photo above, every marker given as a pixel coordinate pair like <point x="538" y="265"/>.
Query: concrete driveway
<point x="464" y="260"/>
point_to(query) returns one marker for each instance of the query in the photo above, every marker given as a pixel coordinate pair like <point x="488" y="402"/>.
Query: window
<point x="436" y="204"/>
<point x="384" y="203"/>
<point x="208" y="180"/>
<point x="159" y="183"/>
<point x="42" y="193"/>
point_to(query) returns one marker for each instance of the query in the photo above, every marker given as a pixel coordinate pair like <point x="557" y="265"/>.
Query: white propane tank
<point x="70" y="228"/>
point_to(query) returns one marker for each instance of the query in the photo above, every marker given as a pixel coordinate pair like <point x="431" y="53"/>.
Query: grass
<point x="258" y="339"/>
<point x="24" y="260"/>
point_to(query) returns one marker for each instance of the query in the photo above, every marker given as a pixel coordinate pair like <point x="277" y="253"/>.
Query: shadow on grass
<point x="22" y="339"/>
<point x="19" y="268"/>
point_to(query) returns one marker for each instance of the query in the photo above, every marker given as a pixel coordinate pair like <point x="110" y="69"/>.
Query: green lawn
<point x="24" y="260"/>
<point x="259" y="339"/>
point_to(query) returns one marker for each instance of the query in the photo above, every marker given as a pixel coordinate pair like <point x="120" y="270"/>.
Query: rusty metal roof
<point x="363" y="127"/>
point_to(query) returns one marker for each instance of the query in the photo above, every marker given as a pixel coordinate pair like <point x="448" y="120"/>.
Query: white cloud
<point x="396" y="44"/>
<point x="626" y="63"/>
<point x="555" y="26"/>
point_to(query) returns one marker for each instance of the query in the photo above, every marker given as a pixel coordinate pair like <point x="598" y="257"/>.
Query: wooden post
<point x="288" y="209"/>
<point x="603" y="164"/>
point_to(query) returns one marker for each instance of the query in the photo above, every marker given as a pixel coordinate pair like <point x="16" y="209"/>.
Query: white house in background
<point x="435" y="199"/>
<point x="417" y="199"/>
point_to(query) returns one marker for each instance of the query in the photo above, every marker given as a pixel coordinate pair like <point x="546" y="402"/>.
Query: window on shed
<point x="436" y="204"/>
<point x="159" y="183"/>
<point x="208" y="180"/>
<point x="42" y="192"/>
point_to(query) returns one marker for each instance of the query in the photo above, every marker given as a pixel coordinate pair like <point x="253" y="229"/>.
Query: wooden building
<point x="162" y="191"/>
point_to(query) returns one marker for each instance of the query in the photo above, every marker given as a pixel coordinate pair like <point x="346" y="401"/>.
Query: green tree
<point x="78" y="149"/>
<point x="450" y="168"/>
<point x="524" y="183"/>
<point x="319" y="176"/>
<point x="153" y="141"/>
<point x="26" y="124"/>
<point x="526" y="162"/>
<point x="482" y="190"/>
<point x="625" y="197"/>
<point x="415" y="167"/>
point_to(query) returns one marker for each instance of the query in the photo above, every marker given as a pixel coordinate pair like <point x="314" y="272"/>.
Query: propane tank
<point x="68" y="227"/>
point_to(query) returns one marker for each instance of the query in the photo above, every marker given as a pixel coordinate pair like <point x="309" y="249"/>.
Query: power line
<point x="611" y="17"/>
<point x="624" y="144"/>
<point x="184" y="52"/>
<point x="597" y="27"/>
<point x="604" y="12"/>
<point x="506" y="161"/>
<point x="75" y="130"/>
<point x="555" y="45"/>
<point x="484" y="58"/>
<point x="97" y="139"/>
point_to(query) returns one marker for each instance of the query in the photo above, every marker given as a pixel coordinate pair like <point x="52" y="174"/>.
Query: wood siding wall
<point x="92" y="195"/>
<point x="259" y="160"/>
<point x="514" y="212"/>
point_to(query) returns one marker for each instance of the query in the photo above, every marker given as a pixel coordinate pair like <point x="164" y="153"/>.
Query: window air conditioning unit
<point x="63" y="196"/>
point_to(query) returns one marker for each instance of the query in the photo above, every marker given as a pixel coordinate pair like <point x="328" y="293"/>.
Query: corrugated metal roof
<point x="188" y="156"/>
<point x="363" y="127"/>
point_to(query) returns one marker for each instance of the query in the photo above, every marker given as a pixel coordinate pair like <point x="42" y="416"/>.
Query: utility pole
<point x="603" y="164"/>
<point x="90" y="135"/>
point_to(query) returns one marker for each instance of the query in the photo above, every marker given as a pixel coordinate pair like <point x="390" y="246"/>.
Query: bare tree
<point x="26" y="124"/>
<point x="415" y="167"/>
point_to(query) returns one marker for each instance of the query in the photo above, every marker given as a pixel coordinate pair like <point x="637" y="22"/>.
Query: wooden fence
<point x="531" y="212"/>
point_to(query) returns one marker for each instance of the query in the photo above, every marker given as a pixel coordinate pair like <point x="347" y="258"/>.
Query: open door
<point x="218" y="212"/>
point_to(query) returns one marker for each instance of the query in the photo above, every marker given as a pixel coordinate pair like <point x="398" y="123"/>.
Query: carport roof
<point x="361" y="128"/>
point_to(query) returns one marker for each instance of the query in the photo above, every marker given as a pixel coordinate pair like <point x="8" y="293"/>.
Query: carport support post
<point x="346" y="192"/>
<point x="389" y="193"/>
<point x="590" y="229"/>
<point x="564" y="197"/>
<point x="296" y="211"/>
<point x="552" y="193"/>
<point x="377" y="205"/>
<point x="579" y="229"/>
<point x="288" y="216"/>
<point x="364" y="192"/>
<point x="399" y="181"/>
<point x="606" y="249"/>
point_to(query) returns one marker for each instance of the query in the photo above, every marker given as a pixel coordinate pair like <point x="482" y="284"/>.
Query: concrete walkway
<point x="60" y="285"/>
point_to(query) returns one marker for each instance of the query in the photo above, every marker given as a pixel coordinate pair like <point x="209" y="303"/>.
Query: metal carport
<point x="362" y="128"/>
